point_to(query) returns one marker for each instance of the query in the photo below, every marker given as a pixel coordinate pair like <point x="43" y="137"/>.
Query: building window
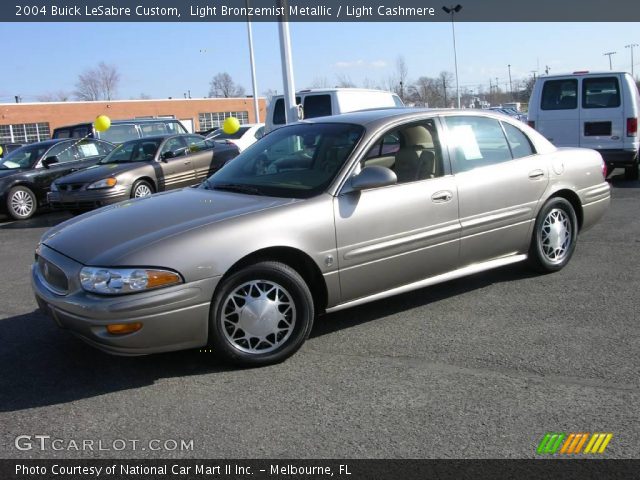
<point x="24" y="133"/>
<point x="215" y="119"/>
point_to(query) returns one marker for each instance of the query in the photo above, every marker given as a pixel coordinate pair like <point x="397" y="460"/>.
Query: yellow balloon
<point x="231" y="125"/>
<point x="102" y="123"/>
<point x="1" y="150"/>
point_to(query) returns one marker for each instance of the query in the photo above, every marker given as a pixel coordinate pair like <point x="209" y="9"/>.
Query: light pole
<point x="608" y="54"/>
<point x="452" y="11"/>
<point x="290" y="107"/>
<point x="630" y="46"/>
<point x="254" y="83"/>
<point x="510" y="84"/>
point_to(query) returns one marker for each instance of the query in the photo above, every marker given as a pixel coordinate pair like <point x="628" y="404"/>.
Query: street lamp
<point x="510" y="84"/>
<point x="608" y="54"/>
<point x="452" y="11"/>
<point x="254" y="83"/>
<point x="631" y="45"/>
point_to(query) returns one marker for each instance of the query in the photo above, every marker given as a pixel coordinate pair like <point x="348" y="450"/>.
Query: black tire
<point x="21" y="203"/>
<point x="631" y="173"/>
<point x="141" y="185"/>
<point x="287" y="307"/>
<point x="554" y="236"/>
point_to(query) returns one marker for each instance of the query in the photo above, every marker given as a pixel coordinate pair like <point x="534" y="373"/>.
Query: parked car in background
<point x="320" y="102"/>
<point x="7" y="148"/>
<point x="122" y="130"/>
<point x="246" y="135"/>
<point x="596" y="110"/>
<point x="27" y="172"/>
<point x="138" y="168"/>
<point x="316" y="217"/>
<point x="510" y="112"/>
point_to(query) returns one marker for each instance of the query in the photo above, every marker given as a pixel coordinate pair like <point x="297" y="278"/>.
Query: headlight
<point x="105" y="183"/>
<point x="54" y="187"/>
<point x="114" y="281"/>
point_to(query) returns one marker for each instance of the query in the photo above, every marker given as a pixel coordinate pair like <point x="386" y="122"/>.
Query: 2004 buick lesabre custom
<point x="316" y="217"/>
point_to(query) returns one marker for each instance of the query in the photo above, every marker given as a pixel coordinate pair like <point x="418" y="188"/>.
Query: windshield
<point x="24" y="157"/>
<point x="298" y="161"/>
<point x="134" y="151"/>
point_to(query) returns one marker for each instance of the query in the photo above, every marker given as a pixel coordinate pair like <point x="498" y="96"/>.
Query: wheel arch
<point x="147" y="179"/>
<point x="294" y="258"/>
<point x="573" y="198"/>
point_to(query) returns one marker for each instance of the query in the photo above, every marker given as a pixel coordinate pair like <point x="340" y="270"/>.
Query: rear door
<point x="500" y="180"/>
<point x="602" y="114"/>
<point x="558" y="118"/>
<point x="202" y="152"/>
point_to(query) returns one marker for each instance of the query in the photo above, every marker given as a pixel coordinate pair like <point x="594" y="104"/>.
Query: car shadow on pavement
<point x="44" y="365"/>
<point x="399" y="303"/>
<point x="43" y="220"/>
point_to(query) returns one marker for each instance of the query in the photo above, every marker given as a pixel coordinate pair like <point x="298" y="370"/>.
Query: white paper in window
<point x="88" y="149"/>
<point x="464" y="138"/>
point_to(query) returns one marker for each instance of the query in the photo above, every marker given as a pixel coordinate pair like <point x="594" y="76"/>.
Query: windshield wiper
<point x="234" y="187"/>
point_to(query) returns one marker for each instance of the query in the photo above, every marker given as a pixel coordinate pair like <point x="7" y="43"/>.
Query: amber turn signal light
<point x="123" y="328"/>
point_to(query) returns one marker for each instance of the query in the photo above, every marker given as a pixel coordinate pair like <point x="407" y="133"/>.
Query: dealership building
<point x="33" y="122"/>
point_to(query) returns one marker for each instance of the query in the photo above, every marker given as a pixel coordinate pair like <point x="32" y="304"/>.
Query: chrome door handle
<point x="536" y="174"/>
<point x="187" y="162"/>
<point x="442" y="196"/>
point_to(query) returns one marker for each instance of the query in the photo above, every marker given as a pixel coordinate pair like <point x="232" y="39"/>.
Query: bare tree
<point x="100" y="83"/>
<point x="320" y="82"/>
<point x="269" y="94"/>
<point x="59" y="96"/>
<point x="445" y="80"/>
<point x="344" y="81"/>
<point x="368" y="83"/>
<point x="425" y="92"/>
<point x="222" y="85"/>
<point x="402" y="73"/>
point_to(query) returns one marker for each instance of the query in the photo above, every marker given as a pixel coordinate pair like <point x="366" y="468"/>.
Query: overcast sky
<point x="167" y="59"/>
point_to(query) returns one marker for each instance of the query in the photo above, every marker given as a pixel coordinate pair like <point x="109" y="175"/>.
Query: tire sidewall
<point x="34" y="200"/>
<point x="278" y="273"/>
<point x="539" y="258"/>
<point x="137" y="184"/>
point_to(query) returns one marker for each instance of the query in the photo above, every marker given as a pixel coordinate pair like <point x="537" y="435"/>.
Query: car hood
<point x="104" y="236"/>
<point x="98" y="172"/>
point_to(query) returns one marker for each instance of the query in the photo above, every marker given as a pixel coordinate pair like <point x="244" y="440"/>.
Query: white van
<point x="320" y="102"/>
<point x="592" y="110"/>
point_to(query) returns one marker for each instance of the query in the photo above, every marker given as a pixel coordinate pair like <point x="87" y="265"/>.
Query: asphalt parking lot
<point x="480" y="367"/>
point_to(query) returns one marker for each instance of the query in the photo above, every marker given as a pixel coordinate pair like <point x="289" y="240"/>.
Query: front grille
<point x="70" y="187"/>
<point x="53" y="276"/>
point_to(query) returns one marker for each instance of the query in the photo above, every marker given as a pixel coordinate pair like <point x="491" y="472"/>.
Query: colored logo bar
<point x="572" y="443"/>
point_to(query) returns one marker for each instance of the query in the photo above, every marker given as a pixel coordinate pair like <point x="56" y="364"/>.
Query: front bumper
<point x="88" y="199"/>
<point x="173" y="318"/>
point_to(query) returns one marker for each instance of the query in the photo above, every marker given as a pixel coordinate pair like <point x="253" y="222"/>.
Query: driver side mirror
<point x="372" y="177"/>
<point x="47" y="162"/>
<point x="168" y="155"/>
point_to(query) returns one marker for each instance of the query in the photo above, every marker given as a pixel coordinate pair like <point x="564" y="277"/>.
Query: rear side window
<point x="317" y="106"/>
<point x="476" y="142"/>
<point x="518" y="141"/>
<point x="603" y="92"/>
<point x="560" y="95"/>
<point x="278" y="111"/>
<point x="120" y="133"/>
<point x="152" y="129"/>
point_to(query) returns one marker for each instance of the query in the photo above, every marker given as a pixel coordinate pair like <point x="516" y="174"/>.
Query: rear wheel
<point x="141" y="188"/>
<point x="554" y="236"/>
<point x="21" y="203"/>
<point x="261" y="315"/>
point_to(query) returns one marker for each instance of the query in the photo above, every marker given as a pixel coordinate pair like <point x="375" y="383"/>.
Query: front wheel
<point x="261" y="315"/>
<point x="21" y="203"/>
<point x="141" y="189"/>
<point x="554" y="236"/>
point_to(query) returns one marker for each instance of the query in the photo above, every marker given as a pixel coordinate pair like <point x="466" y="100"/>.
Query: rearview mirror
<point x="372" y="177"/>
<point x="47" y="162"/>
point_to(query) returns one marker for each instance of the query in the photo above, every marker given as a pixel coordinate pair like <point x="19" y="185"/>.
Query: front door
<point x="395" y="235"/>
<point x="175" y="165"/>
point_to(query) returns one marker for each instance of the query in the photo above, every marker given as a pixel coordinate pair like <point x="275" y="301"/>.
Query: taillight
<point x="604" y="170"/>
<point x="632" y="127"/>
<point x="531" y="123"/>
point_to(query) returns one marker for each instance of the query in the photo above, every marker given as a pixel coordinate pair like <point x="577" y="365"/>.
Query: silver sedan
<point x="316" y="217"/>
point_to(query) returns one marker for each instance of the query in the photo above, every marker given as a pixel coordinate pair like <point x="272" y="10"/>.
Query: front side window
<point x="297" y="161"/>
<point x="476" y="142"/>
<point x="602" y="92"/>
<point x="134" y="151"/>
<point x="317" y="106"/>
<point x="278" y="111"/>
<point x="23" y="157"/>
<point x="196" y="144"/>
<point x="174" y="145"/>
<point x="560" y="95"/>
<point x="91" y="148"/>
<point x="412" y="151"/>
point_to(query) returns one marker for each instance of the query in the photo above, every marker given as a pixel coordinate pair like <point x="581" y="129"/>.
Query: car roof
<point x="126" y="121"/>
